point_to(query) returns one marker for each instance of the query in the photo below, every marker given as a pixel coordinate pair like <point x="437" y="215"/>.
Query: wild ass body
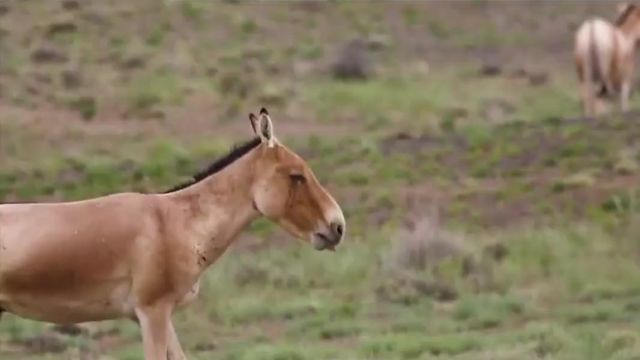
<point x="141" y="255"/>
<point x="605" y="56"/>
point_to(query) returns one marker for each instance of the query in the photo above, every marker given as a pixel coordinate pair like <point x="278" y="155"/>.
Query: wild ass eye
<point x="297" y="178"/>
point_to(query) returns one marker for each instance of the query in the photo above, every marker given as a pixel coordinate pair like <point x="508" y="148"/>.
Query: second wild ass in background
<point x="141" y="256"/>
<point x="605" y="58"/>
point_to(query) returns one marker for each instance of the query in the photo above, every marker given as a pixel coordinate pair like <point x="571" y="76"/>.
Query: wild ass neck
<point x="215" y="210"/>
<point x="628" y="29"/>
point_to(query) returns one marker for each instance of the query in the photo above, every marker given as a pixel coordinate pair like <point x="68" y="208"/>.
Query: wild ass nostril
<point x="337" y="228"/>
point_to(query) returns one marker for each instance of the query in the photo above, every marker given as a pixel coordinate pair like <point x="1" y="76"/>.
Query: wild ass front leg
<point x="175" y="350"/>
<point x="154" y="323"/>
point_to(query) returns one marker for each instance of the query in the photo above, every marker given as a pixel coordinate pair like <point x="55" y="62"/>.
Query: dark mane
<point x="625" y="14"/>
<point x="236" y="152"/>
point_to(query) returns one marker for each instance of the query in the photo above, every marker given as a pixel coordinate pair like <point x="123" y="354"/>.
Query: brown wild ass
<point x="605" y="58"/>
<point x="140" y="256"/>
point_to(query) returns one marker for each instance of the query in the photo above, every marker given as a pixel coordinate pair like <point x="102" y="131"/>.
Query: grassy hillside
<point x="486" y="218"/>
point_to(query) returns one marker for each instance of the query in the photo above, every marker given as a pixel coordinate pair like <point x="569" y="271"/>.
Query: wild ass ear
<point x="254" y="122"/>
<point x="266" y="127"/>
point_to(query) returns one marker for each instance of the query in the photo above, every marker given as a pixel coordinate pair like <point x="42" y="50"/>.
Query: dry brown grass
<point x="425" y="245"/>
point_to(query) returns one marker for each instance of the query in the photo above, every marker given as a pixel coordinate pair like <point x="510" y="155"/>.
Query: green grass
<point x="488" y="36"/>
<point x="148" y="91"/>
<point x="430" y="100"/>
<point x="417" y="98"/>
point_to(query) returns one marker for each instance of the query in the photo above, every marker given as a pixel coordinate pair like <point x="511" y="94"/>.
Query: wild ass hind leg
<point x="175" y="351"/>
<point x="588" y="99"/>
<point x="155" y="321"/>
<point x="625" y="92"/>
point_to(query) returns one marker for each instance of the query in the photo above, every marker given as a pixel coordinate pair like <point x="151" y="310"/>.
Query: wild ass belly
<point x="74" y="281"/>
<point x="101" y="302"/>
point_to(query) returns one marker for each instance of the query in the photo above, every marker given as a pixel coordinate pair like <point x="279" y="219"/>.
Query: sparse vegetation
<point x="533" y="253"/>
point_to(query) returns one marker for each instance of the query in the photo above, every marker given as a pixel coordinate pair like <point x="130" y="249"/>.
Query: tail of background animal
<point x="597" y="69"/>
<point x="588" y="70"/>
<point x="585" y="54"/>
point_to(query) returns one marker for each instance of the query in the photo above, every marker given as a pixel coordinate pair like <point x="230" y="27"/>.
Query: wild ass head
<point x="629" y="20"/>
<point x="287" y="192"/>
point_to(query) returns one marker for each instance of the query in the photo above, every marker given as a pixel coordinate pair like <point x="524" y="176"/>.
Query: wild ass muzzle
<point x="140" y="256"/>
<point x="605" y="57"/>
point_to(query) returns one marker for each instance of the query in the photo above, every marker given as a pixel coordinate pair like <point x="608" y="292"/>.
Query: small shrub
<point x="157" y="89"/>
<point x="191" y="10"/>
<point x="425" y="246"/>
<point x="627" y="163"/>
<point x="578" y="180"/>
<point x="85" y="105"/>
<point x="353" y="61"/>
